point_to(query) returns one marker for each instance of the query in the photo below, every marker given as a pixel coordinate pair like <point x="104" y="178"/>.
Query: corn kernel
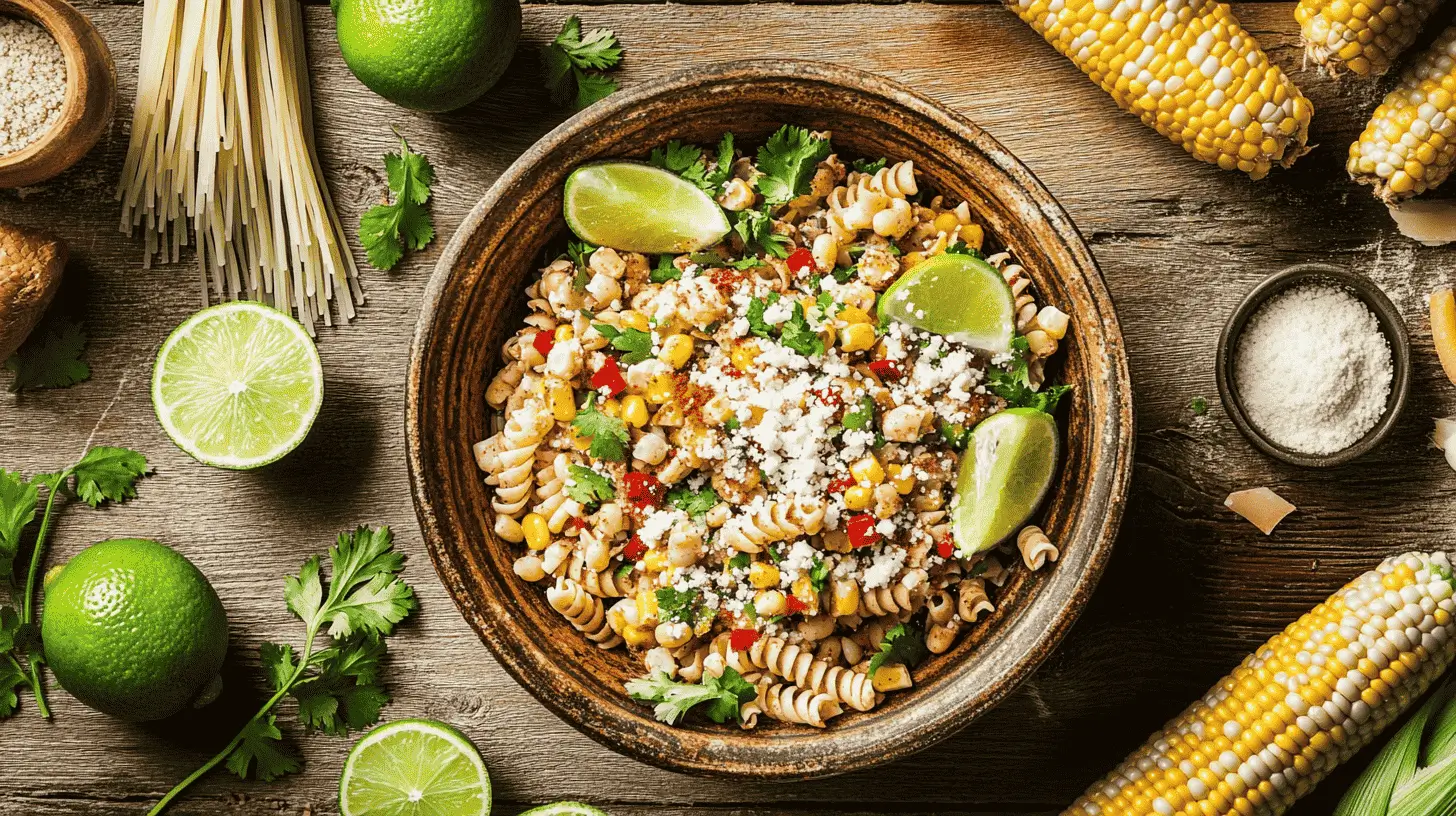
<point x="769" y="603"/>
<point x="857" y="337"/>
<point x="854" y="314"/>
<point x="647" y="605"/>
<point x="633" y="319"/>
<point x="858" y="498"/>
<point x="660" y="389"/>
<point x="973" y="235"/>
<point x="846" y="598"/>
<point x="634" y="411"/>
<point x="803" y="588"/>
<point x="611" y="408"/>
<point x="579" y="440"/>
<point x="743" y="355"/>
<point x="654" y="561"/>
<point x="564" y="332"/>
<point x="891" y="677"/>
<point x="867" y="471"/>
<point x="947" y="222"/>
<point x="676" y="350"/>
<point x="563" y="402"/>
<point x="762" y="575"/>
<point x="537" y="536"/>
<point x="637" y="636"/>
<point x="903" y="478"/>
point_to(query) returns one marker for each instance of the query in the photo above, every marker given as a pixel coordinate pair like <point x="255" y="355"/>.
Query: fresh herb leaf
<point x="800" y="336"/>
<point x="341" y="692"/>
<point x="636" y="344"/>
<point x="676" y="157"/>
<point x="1012" y="382"/>
<point x="962" y="248"/>
<point x="589" y="487"/>
<point x="574" y="61"/>
<point x="1198" y="405"/>
<point x="608" y="434"/>
<point x="625" y="570"/>
<point x="862" y="415"/>
<point x="106" y="473"/>
<point x="681" y="606"/>
<point x="740" y="561"/>
<point x="51" y="358"/>
<point x="664" y="271"/>
<point x="819" y="574"/>
<point x="787" y="161"/>
<point x="867" y="166"/>
<point x="902" y="644"/>
<point x="260" y="751"/>
<point x="580" y="253"/>
<point x="724" y="695"/>
<point x="843" y="274"/>
<point x="953" y="434"/>
<point x="723" y="168"/>
<point x="386" y="230"/>
<point x="732" y="424"/>
<point x="12" y="678"/>
<point x="18" y="501"/>
<point x="695" y="503"/>
<point x="756" y="308"/>
<point x="755" y="229"/>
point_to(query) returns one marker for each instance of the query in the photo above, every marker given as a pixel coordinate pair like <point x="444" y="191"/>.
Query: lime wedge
<point x="960" y="297"/>
<point x="640" y="208"/>
<point x="565" y="809"/>
<point x="414" y="768"/>
<point x="238" y="385"/>
<point x="1007" y="469"/>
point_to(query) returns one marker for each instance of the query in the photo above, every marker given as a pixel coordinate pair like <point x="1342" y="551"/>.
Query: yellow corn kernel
<point x="912" y="260"/>
<point x="770" y="602"/>
<point x="704" y="625"/>
<point x="637" y="636"/>
<point x="579" y="440"/>
<point x="762" y="575"/>
<point x="659" y="389"/>
<point x="973" y="235"/>
<point x="743" y="355"/>
<point x="755" y="415"/>
<point x="676" y="350"/>
<point x="846" y="598"/>
<point x="634" y="319"/>
<point x="946" y="222"/>
<point x="611" y="408"/>
<point x="537" y="536"/>
<point x="634" y="411"/>
<point x="903" y="478"/>
<point x="647" y="605"/>
<point x="891" y="677"/>
<point x="564" y="332"/>
<point x="867" y="471"/>
<point x="857" y="337"/>
<point x="803" y="588"/>
<point x="563" y="402"/>
<point x="858" y="498"/>
<point x="654" y="561"/>
<point x="854" y="314"/>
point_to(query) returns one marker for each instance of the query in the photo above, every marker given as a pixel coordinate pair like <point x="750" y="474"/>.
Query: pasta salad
<point x="732" y="464"/>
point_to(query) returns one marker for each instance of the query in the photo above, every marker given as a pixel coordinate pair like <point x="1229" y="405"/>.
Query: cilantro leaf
<point x="664" y="271"/>
<point x="819" y="574"/>
<point x="1198" y="405"/>
<point x="589" y="487"/>
<point x="12" y="677"/>
<point x="756" y="308"/>
<point x="108" y="474"/>
<point x="260" y="751"/>
<point x="1012" y="382"/>
<point x="51" y="358"/>
<point x="902" y="644"/>
<point x="365" y="591"/>
<point x="962" y="248"/>
<point x="867" y="166"/>
<point x="625" y="570"/>
<point x="608" y="434"/>
<point x="740" y="561"/>
<point x="386" y="230"/>
<point x="723" y="169"/>
<point x="684" y="160"/>
<point x="724" y="695"/>
<point x="341" y="692"/>
<point x="787" y="161"/>
<point x="695" y="503"/>
<point x="800" y="336"/>
<point x="678" y="605"/>
<point x="573" y="60"/>
<point x="862" y="415"/>
<point x="18" y="501"/>
<point x="636" y="343"/>
<point x="279" y="662"/>
<point x="755" y="229"/>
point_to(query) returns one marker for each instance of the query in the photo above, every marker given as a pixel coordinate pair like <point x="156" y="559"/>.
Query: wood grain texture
<point x="1190" y="590"/>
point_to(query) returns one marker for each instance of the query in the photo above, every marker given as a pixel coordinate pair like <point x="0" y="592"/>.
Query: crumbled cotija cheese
<point x="32" y="83"/>
<point x="1314" y="369"/>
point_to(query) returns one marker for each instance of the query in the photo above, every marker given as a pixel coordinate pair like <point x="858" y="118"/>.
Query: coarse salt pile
<point x="32" y="83"/>
<point x="1314" y="369"/>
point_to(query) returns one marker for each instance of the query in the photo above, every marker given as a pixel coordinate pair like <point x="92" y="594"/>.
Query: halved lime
<point x="414" y="768"/>
<point x="565" y="809"/>
<point x="960" y="297"/>
<point x="640" y="208"/>
<point x="1006" y="471"/>
<point x="238" y="385"/>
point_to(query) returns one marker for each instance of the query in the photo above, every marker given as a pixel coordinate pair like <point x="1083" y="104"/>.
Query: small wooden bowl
<point x="475" y="301"/>
<point x="90" y="97"/>
<point x="1391" y="325"/>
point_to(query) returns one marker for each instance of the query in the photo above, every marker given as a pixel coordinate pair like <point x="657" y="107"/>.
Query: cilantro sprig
<point x="386" y="230"/>
<point x="723" y="695"/>
<point x="902" y="644"/>
<point x="799" y="335"/>
<point x="679" y="605"/>
<point x="787" y="161"/>
<point x="1012" y="382"/>
<point x="755" y="229"/>
<point x="50" y="358"/>
<point x="575" y="63"/>
<point x="664" y="271"/>
<point x="690" y="162"/>
<point x="695" y="503"/>
<point x="589" y="487"/>
<point x="819" y="574"/>
<point x="102" y="474"/>
<point x="334" y="676"/>
<point x="636" y="344"/>
<point x="608" y="434"/>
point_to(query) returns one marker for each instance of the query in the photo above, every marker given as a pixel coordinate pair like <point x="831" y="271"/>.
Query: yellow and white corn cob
<point x="1360" y="36"/>
<point x="1188" y="69"/>
<point x="1307" y="700"/>
<point x="1407" y="148"/>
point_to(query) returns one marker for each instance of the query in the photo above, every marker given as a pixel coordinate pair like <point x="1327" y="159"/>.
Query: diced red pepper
<point x="644" y="489"/>
<point x="542" y="342"/>
<point x="634" y="550"/>
<point x="862" y="532"/>
<point x="944" y="548"/>
<point x="886" y="369"/>
<point x="575" y="523"/>
<point x="841" y="484"/>
<point x="609" y="376"/>
<point x="742" y="639"/>
<point x="795" y="605"/>
<point x="800" y="261"/>
<point x="828" y="396"/>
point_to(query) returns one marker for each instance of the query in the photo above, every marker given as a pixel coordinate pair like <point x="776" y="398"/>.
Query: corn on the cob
<point x="1360" y="36"/>
<point x="1188" y="69"/>
<point x="1307" y="700"/>
<point x="1407" y="148"/>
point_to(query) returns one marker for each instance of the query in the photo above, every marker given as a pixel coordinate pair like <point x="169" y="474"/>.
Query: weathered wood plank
<point x="1191" y="588"/>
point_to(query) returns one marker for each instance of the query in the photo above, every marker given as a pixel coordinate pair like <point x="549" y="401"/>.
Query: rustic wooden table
<point x="1191" y="588"/>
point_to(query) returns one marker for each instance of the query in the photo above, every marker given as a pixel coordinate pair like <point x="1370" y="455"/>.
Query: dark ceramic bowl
<point x="474" y="302"/>
<point x="1391" y="325"/>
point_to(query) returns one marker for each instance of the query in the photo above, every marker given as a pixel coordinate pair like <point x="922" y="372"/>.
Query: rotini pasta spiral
<point x="801" y="668"/>
<point x="896" y="180"/>
<point x="1036" y="549"/>
<point x="583" y="610"/>
<point x="604" y="584"/>
<point x="791" y="704"/>
<point x="774" y="521"/>
<point x="890" y="600"/>
<point x="972" y="600"/>
<point x="510" y="460"/>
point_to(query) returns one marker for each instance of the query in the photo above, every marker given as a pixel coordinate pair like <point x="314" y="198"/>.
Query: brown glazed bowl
<point x="474" y="303"/>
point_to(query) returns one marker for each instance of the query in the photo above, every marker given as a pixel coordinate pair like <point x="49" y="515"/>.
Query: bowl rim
<point x="608" y="725"/>
<point x="1392" y="325"/>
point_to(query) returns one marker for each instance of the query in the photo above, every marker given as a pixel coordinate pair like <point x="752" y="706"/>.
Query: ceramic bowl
<point x="1391" y="325"/>
<point x="475" y="301"/>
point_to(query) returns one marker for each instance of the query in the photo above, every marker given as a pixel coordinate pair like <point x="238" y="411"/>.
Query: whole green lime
<point x="429" y="55"/>
<point x="133" y="629"/>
